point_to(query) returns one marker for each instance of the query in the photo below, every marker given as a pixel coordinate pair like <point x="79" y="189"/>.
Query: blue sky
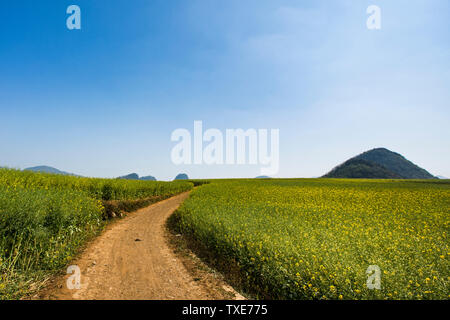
<point x="104" y="100"/>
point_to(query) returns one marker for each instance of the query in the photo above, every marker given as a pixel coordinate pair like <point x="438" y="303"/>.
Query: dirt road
<point x="132" y="260"/>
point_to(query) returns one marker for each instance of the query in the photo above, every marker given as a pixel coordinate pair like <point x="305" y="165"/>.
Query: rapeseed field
<point x="316" y="238"/>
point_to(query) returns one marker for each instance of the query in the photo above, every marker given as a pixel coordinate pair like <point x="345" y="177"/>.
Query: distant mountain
<point x="357" y="168"/>
<point x="148" y="178"/>
<point x="182" y="176"/>
<point x="47" y="169"/>
<point x="263" y="177"/>
<point x="441" y="177"/>
<point x="135" y="176"/>
<point x="379" y="163"/>
<point x="131" y="176"/>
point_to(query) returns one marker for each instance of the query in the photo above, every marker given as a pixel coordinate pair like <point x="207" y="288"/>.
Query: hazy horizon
<point x="199" y="177"/>
<point x="103" y="101"/>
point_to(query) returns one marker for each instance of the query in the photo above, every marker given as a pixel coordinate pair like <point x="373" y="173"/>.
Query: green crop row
<point x="316" y="238"/>
<point x="102" y="189"/>
<point x="45" y="219"/>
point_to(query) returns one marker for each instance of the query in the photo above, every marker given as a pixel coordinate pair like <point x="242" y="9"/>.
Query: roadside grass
<point x="45" y="220"/>
<point x="203" y="265"/>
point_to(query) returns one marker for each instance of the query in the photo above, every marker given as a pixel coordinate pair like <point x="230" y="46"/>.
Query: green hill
<point x="379" y="163"/>
<point x="131" y="176"/>
<point x="47" y="169"/>
<point x="135" y="176"/>
<point x="148" y="178"/>
<point x="182" y="176"/>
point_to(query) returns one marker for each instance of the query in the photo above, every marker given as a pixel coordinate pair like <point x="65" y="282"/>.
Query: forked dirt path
<point x="133" y="260"/>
